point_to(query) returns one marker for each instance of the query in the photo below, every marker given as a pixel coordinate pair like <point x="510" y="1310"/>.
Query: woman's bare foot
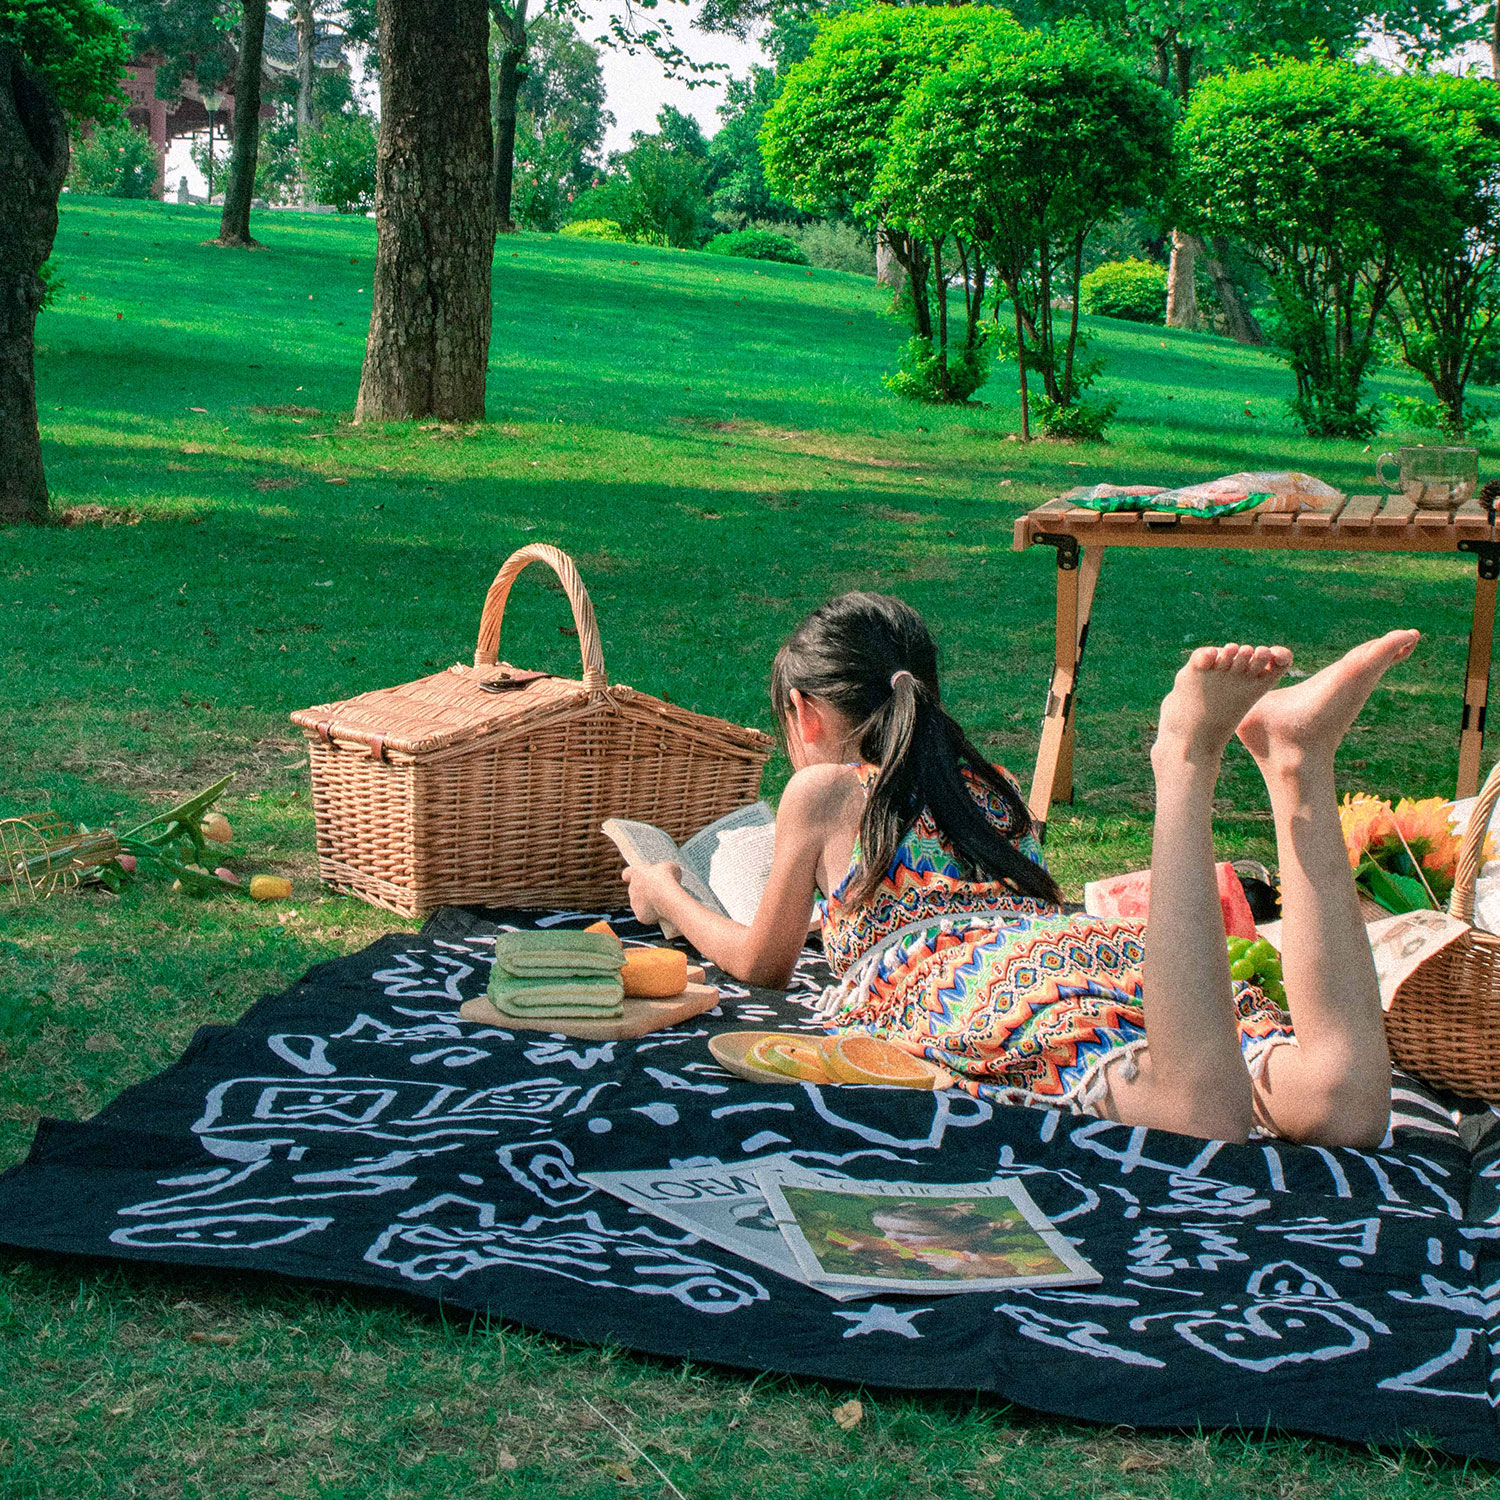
<point x="1312" y="717"/>
<point x="1211" y="696"/>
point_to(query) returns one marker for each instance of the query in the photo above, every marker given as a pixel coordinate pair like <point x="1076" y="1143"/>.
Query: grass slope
<point x="710" y="440"/>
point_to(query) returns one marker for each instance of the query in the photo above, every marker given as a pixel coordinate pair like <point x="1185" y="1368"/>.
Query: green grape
<point x="1276" y="992"/>
<point x="1261" y="950"/>
<point x="1270" y="967"/>
<point x="1238" y="947"/>
<point x="1242" y="969"/>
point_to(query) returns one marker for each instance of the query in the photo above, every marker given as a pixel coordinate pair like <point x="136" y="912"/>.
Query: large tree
<point x="1020" y="149"/>
<point x="1327" y="177"/>
<point x="58" y="60"/>
<point x="429" y="339"/>
<point x="234" y="225"/>
<point x="1449" y="280"/>
<point x="828" y="134"/>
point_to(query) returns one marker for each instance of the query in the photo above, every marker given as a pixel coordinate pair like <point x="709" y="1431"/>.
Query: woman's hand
<point x="647" y="885"/>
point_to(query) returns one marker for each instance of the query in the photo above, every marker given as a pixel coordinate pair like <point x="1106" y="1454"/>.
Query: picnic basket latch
<point x="487" y="651"/>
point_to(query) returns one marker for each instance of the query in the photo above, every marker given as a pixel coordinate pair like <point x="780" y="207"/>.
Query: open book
<point x="725" y="866"/>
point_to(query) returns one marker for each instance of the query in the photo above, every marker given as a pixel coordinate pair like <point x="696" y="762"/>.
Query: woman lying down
<point x="946" y="931"/>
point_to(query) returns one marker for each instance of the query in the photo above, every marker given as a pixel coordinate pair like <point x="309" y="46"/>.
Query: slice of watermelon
<point x="1129" y="897"/>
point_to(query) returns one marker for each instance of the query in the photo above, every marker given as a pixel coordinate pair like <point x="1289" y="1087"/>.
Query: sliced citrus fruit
<point x="868" y="1059"/>
<point x="793" y="1056"/>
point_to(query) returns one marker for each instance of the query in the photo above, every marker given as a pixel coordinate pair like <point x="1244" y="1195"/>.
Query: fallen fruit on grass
<point x="225" y="873"/>
<point x="868" y="1059"/>
<point x="793" y="1056"/>
<point x="270" y="888"/>
<point x="126" y="862"/>
<point x="216" y="829"/>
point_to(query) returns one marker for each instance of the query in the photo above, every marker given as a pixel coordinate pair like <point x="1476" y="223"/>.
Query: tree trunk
<point x="429" y="340"/>
<point x="307" y="58"/>
<point x="33" y="163"/>
<point x="888" y="268"/>
<point x="1182" y="289"/>
<point x="1239" y="321"/>
<point x="1495" y="41"/>
<point x="234" y="226"/>
<point x="507" y="91"/>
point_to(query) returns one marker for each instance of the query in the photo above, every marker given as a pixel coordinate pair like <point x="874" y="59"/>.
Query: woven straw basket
<point x="1444" y="1023"/>
<point x="488" y="784"/>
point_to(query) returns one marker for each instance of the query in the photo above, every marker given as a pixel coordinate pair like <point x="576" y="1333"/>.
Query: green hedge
<point x="1135" y="290"/>
<point x="757" y="244"/>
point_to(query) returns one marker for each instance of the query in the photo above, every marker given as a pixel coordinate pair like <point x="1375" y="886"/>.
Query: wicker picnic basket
<point x="1444" y="1022"/>
<point x="489" y="783"/>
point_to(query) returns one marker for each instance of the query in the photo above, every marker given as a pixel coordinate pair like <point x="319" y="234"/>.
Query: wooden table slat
<point x="1081" y="515"/>
<point x="1321" y="518"/>
<point x="1397" y="511"/>
<point x="1275" y="520"/>
<point x="1359" y="512"/>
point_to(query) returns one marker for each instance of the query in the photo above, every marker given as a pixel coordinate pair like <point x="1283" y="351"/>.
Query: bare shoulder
<point x="821" y="795"/>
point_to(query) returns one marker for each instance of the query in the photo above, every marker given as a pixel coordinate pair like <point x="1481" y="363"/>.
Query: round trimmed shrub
<point x="757" y="244"/>
<point x="594" y="229"/>
<point x="1135" y="290"/>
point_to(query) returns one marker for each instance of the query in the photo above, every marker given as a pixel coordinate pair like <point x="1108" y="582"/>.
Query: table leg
<point x="1053" y="778"/>
<point x="1477" y="677"/>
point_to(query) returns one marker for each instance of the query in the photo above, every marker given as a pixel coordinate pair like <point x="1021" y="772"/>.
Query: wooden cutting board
<point x="640" y="1019"/>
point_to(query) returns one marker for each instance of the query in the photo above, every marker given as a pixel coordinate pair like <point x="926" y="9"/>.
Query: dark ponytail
<point x="871" y="658"/>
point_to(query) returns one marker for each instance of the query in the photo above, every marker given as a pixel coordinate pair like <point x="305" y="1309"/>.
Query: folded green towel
<point x="557" y="997"/>
<point x="563" y="1013"/>
<point x="557" y="954"/>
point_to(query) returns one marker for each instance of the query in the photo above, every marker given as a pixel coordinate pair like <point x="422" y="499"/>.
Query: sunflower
<point x="1414" y="840"/>
<point x="1367" y="823"/>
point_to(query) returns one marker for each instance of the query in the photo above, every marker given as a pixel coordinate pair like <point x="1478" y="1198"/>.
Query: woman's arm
<point x="765" y="952"/>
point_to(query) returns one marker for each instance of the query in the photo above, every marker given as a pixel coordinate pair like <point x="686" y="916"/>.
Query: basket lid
<point x="447" y="708"/>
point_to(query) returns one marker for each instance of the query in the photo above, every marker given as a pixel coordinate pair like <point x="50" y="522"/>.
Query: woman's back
<point x="926" y="880"/>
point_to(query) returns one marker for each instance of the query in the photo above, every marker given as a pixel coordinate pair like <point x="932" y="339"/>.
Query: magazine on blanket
<point x="721" y="1204"/>
<point x="921" y="1238"/>
<point x="725" y="866"/>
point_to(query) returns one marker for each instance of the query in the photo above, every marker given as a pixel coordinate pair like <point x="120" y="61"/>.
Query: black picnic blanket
<point x="353" y="1131"/>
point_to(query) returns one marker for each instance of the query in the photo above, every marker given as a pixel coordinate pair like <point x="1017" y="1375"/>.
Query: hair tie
<point x="897" y="676"/>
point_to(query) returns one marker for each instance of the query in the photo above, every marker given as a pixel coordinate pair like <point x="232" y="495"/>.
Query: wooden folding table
<point x="1364" y="523"/>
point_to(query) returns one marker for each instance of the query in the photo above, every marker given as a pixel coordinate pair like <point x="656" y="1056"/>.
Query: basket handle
<point x="487" y="651"/>
<point x="1471" y="852"/>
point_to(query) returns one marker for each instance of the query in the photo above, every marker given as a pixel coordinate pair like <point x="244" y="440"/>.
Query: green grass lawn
<point x="711" y="441"/>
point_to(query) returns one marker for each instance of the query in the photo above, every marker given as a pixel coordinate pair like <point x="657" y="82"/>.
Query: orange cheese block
<point x="654" y="973"/>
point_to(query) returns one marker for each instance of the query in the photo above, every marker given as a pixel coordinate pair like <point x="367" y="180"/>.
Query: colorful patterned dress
<point x="1024" y="1003"/>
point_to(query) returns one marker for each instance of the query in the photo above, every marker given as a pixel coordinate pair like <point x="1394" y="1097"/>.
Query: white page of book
<point x="740" y="867"/>
<point x="646" y="844"/>
<point x="723" y="1205"/>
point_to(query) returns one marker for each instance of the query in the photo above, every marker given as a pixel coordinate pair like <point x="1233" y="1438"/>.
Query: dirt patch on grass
<point x="286" y="411"/>
<point x="98" y="515"/>
<point x="286" y="482"/>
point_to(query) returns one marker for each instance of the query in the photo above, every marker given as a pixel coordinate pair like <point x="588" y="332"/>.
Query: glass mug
<point x="1435" y="478"/>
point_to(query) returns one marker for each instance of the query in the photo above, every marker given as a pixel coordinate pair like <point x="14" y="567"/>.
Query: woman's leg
<point x="1190" y="1076"/>
<point x="1334" y="1087"/>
